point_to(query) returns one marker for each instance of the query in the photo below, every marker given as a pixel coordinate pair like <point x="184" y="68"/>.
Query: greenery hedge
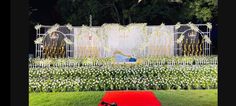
<point x="122" y="77"/>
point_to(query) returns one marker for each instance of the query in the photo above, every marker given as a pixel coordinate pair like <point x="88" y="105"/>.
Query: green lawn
<point x="92" y="98"/>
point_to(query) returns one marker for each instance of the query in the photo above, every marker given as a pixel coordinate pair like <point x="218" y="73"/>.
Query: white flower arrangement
<point x="177" y="26"/>
<point x="69" y="26"/>
<point x="39" y="40"/>
<point x="162" y="26"/>
<point x="209" y="25"/>
<point x="207" y="39"/>
<point x="138" y="77"/>
<point x="68" y="41"/>
<point x="180" y="39"/>
<point x="53" y="28"/>
<point x="38" y="26"/>
<point x="193" y="27"/>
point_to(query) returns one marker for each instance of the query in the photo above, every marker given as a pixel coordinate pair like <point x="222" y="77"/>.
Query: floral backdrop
<point x="134" y="39"/>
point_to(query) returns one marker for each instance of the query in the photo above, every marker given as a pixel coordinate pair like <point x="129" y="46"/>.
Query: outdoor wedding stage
<point x="125" y="62"/>
<point x="136" y="40"/>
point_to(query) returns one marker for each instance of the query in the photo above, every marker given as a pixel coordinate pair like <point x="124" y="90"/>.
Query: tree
<point x="202" y="10"/>
<point x="135" y="11"/>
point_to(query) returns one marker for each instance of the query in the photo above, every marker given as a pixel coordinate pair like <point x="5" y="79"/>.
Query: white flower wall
<point x="133" y="39"/>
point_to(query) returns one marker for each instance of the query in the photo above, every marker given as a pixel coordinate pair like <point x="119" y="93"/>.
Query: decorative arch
<point x="192" y="41"/>
<point x="52" y="41"/>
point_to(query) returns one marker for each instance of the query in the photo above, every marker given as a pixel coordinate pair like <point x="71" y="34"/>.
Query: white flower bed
<point x="122" y="77"/>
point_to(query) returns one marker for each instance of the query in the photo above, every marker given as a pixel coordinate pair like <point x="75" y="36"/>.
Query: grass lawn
<point x="92" y="98"/>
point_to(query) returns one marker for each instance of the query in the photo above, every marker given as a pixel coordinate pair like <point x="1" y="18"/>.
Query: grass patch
<point x="92" y="98"/>
<point x="187" y="97"/>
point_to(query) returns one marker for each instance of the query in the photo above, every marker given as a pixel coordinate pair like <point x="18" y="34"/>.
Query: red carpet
<point x="130" y="98"/>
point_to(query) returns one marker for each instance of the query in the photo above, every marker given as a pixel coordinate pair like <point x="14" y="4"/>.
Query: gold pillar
<point x="185" y="47"/>
<point x="197" y="49"/>
<point x="201" y="45"/>
<point x="192" y="42"/>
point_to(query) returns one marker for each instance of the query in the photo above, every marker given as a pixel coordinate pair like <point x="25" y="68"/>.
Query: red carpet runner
<point x="130" y="98"/>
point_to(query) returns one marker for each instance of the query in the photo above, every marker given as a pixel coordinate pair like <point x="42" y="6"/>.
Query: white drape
<point x="125" y="39"/>
<point x="161" y="41"/>
<point x="131" y="40"/>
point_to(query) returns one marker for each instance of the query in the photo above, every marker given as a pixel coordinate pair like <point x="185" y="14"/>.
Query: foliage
<point x="203" y="10"/>
<point x="131" y="11"/>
